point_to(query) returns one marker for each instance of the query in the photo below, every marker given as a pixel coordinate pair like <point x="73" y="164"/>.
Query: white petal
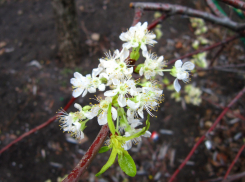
<point x="178" y="64"/>
<point x="114" y="113"/>
<point x="177" y="85"/>
<point x="91" y="90"/>
<point x="147" y="134"/>
<point x="75" y="81"/>
<point x="144" y="26"/>
<point x="124" y="54"/>
<point x="78" y="75"/>
<point x="121" y="100"/>
<point x="143" y="47"/>
<point x="102" y="87"/>
<point x="102" y="118"/>
<point x="141" y="72"/>
<point x="145" y="54"/>
<point x="127" y="145"/>
<point x="140" y="112"/>
<point x="77" y="92"/>
<point x="115" y="81"/>
<point x="110" y="93"/>
<point x="78" y="106"/>
<point x="188" y="66"/>
<point x="96" y="71"/>
<point x="132" y="104"/>
<point x="85" y="92"/>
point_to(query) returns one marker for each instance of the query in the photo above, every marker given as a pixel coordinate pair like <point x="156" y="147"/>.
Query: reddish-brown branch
<point x="204" y="136"/>
<point x="206" y="48"/>
<point x="88" y="157"/>
<point x="235" y="3"/>
<point x="216" y="55"/>
<point x="214" y="8"/>
<point x="173" y="9"/>
<point x="137" y="15"/>
<point x="233" y="162"/>
<point x="156" y="22"/>
<point x="36" y="129"/>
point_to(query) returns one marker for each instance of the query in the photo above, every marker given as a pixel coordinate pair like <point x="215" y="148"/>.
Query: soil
<point x="34" y="85"/>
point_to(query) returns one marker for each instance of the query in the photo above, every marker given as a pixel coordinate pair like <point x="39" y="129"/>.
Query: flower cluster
<point x="125" y="99"/>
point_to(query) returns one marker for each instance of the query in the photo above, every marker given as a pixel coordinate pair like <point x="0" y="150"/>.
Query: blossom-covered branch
<point x="235" y="3"/>
<point x="173" y="9"/>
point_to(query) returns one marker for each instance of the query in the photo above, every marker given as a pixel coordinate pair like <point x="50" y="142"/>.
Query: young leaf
<point x="127" y="164"/>
<point x="109" y="162"/>
<point x="104" y="149"/>
<point x="110" y="122"/>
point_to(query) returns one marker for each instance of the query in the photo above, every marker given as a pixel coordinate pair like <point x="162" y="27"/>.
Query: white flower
<point x="122" y="88"/>
<point x="138" y="36"/>
<point x="116" y="66"/>
<point x="71" y="122"/>
<point x="82" y="85"/>
<point x="181" y="72"/>
<point x="100" y="110"/>
<point x="152" y="65"/>
<point x="148" y="100"/>
<point x="76" y="130"/>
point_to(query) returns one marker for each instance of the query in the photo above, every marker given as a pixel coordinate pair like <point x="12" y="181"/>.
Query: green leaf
<point x="141" y="132"/>
<point x="109" y="120"/>
<point x="104" y="149"/>
<point x="127" y="164"/>
<point x="109" y="162"/>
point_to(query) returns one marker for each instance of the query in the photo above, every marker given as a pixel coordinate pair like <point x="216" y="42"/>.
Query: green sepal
<point x="135" y="53"/>
<point x="127" y="164"/>
<point x="109" y="120"/>
<point x="104" y="149"/>
<point x="109" y="162"/>
<point x="141" y="132"/>
<point x="86" y="108"/>
<point x="173" y="71"/>
<point x="137" y="69"/>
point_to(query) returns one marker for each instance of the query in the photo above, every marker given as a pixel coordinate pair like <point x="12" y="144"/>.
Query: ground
<point x="34" y="85"/>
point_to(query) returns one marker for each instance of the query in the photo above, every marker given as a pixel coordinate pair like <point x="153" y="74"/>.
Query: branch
<point x="214" y="8"/>
<point x="137" y="15"/>
<point x="204" y="136"/>
<point x="233" y="162"/>
<point x="206" y="48"/>
<point x="36" y="129"/>
<point x="172" y="9"/>
<point x="235" y="3"/>
<point x="231" y="177"/>
<point x="88" y="157"/>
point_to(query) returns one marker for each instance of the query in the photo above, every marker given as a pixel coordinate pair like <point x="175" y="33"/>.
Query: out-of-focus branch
<point x="173" y="9"/>
<point x="235" y="3"/>
<point x="214" y="8"/>
<point x="233" y="162"/>
<point x="137" y="15"/>
<point x="205" y="49"/>
<point x="35" y="129"/>
<point x="204" y="136"/>
<point x="88" y="157"/>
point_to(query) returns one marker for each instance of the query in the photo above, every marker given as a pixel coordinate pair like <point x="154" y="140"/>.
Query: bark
<point x="67" y="31"/>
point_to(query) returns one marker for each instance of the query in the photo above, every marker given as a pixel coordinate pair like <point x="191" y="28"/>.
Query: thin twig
<point x="231" y="177"/>
<point x="156" y="22"/>
<point x="214" y="8"/>
<point x="235" y="3"/>
<point x="233" y="162"/>
<point x="222" y="107"/>
<point x="204" y="136"/>
<point x="137" y="15"/>
<point x="88" y="157"/>
<point x="173" y="9"/>
<point x="217" y="55"/>
<point x="205" y="49"/>
<point x="36" y="129"/>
